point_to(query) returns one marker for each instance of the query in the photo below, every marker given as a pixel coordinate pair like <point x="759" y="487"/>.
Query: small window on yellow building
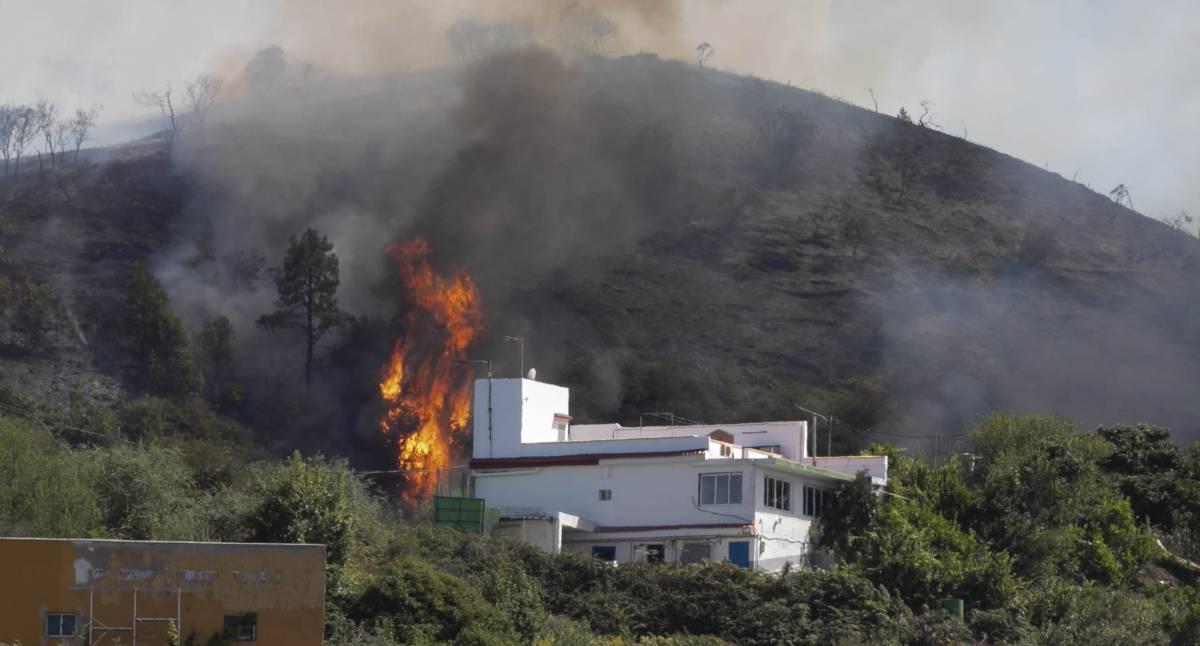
<point x="60" y="624"/>
<point x="241" y="628"/>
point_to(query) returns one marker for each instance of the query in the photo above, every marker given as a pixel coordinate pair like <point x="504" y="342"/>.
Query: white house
<point x="746" y="493"/>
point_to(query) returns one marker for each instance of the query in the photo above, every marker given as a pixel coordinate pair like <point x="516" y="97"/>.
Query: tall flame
<point x="428" y="396"/>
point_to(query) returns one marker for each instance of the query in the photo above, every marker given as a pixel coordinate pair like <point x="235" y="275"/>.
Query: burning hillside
<point x="427" y="393"/>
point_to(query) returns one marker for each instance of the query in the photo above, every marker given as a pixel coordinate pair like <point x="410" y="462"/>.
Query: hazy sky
<point x="1105" y="89"/>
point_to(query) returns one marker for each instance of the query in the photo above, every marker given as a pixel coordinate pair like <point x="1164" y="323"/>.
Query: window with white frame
<point x="720" y="488"/>
<point x="816" y="500"/>
<point x="61" y="624"/>
<point x="777" y="494"/>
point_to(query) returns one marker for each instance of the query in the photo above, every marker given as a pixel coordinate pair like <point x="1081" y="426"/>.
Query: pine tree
<point x="307" y="284"/>
<point x="160" y="338"/>
<point x="217" y="360"/>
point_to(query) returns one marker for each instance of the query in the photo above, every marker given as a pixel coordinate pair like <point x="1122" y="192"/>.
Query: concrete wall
<point x="646" y="445"/>
<point x="661" y="493"/>
<point x="645" y="491"/>
<point x="283" y="584"/>
<point x="542" y="533"/>
<point x="875" y="465"/>
<point x="789" y="436"/>
<point x="521" y="411"/>
<point x="633" y="550"/>
<point x="784" y="535"/>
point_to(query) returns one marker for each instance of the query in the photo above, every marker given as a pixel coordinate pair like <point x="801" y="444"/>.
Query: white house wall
<point x="633" y="550"/>
<point x="645" y="492"/>
<point x="875" y="465"/>
<point x="542" y="402"/>
<point x="789" y="436"/>
<point x="521" y="410"/>
<point x="784" y="534"/>
<point x="541" y="533"/>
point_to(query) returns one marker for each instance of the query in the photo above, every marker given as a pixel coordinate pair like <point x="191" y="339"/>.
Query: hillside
<point x="667" y="238"/>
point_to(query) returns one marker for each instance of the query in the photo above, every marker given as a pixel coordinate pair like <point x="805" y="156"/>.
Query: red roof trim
<point x="570" y="460"/>
<point x="652" y="528"/>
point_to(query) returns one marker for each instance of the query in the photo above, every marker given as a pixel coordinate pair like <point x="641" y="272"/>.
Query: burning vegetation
<point x="427" y="394"/>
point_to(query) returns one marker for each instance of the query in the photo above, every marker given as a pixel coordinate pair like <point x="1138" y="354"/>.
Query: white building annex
<point x="743" y="493"/>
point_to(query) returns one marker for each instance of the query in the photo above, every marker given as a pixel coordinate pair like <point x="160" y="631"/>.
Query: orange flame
<point x="428" y="396"/>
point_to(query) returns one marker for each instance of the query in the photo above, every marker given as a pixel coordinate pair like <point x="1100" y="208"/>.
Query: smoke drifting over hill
<point x="616" y="213"/>
<point x="958" y="348"/>
<point x="508" y="155"/>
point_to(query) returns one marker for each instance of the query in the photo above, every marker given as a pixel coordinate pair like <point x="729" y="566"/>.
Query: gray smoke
<point x="529" y="159"/>
<point x="955" y="349"/>
<point x="513" y="154"/>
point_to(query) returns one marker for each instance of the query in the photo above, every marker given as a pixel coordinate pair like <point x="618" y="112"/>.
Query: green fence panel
<point x="467" y="514"/>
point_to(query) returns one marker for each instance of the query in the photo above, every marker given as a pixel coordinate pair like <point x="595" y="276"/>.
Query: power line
<point x="872" y="433"/>
<point x="55" y="427"/>
<point x="379" y="472"/>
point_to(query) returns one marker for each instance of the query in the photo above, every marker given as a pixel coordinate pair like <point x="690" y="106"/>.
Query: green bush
<point x="46" y="489"/>
<point x="414" y="603"/>
<point x="146" y="493"/>
<point x="306" y="501"/>
<point x="1031" y="530"/>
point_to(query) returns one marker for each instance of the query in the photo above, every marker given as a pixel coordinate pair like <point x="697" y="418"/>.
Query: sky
<point x="1100" y="90"/>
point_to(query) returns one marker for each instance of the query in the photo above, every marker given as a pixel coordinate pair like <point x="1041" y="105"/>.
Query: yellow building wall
<point x="284" y="585"/>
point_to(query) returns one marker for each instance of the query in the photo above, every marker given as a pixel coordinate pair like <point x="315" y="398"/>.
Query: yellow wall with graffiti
<point x="278" y="589"/>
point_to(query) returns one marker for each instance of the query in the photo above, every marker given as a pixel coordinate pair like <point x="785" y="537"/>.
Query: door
<point x="739" y="553"/>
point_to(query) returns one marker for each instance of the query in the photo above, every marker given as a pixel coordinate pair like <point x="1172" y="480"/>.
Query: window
<point x="605" y="552"/>
<point x="815" y="500"/>
<point x="60" y="624"/>
<point x="695" y="552"/>
<point x="605" y="494"/>
<point x="777" y="494"/>
<point x="720" y="489"/>
<point x="655" y="553"/>
<point x="241" y="628"/>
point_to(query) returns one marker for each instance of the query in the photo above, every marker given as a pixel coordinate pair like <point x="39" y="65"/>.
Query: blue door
<point x="739" y="553"/>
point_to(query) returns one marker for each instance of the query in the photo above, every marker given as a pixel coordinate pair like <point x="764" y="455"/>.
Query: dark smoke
<point x="522" y="154"/>
<point x="537" y="169"/>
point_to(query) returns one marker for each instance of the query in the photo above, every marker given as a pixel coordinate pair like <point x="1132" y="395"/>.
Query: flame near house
<point x="428" y="396"/>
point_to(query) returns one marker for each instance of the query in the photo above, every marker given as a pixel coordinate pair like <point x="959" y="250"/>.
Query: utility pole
<point x="816" y="441"/>
<point x="520" y="340"/>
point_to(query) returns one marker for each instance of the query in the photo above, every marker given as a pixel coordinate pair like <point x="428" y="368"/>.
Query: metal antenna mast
<point x="520" y="340"/>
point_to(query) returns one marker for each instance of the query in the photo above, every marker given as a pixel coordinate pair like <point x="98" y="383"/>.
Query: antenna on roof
<point x="520" y="340"/>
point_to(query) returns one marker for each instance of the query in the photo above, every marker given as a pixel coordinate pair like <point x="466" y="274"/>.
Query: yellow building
<point x="102" y="592"/>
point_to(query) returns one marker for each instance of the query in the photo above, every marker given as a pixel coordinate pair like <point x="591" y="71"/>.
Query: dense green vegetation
<point x="1047" y="534"/>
